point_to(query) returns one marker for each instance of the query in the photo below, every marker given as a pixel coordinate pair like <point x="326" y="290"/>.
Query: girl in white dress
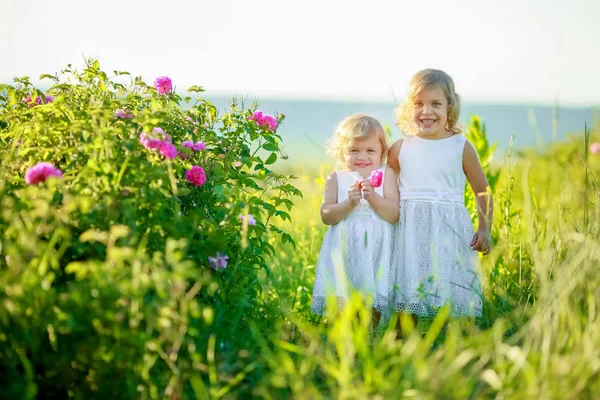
<point x="434" y="258"/>
<point x="360" y="205"/>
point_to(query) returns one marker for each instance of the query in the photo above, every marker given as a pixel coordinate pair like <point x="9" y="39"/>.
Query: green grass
<point x="539" y="336"/>
<point x="106" y="290"/>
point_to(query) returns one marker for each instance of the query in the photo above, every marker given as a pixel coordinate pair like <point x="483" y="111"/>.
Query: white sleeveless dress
<point x="355" y="254"/>
<point x="433" y="262"/>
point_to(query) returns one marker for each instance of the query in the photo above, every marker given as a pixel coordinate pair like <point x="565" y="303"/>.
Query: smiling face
<point x="363" y="154"/>
<point x="430" y="114"/>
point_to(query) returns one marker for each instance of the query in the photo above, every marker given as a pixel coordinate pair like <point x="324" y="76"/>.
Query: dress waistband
<point x="364" y="210"/>
<point x="432" y="196"/>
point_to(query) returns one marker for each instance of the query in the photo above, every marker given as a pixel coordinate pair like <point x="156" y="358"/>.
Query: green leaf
<point x="272" y="158"/>
<point x="48" y="76"/>
<point x="270" y="147"/>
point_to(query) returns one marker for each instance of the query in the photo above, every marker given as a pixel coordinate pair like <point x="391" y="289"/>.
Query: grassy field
<point x="132" y="276"/>
<point x="539" y="336"/>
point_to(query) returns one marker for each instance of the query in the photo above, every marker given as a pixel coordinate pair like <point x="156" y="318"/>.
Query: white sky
<point x="497" y="51"/>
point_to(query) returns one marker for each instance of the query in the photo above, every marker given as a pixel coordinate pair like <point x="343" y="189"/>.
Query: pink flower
<point x="270" y="122"/>
<point x="218" y="261"/>
<point x="122" y="114"/>
<point x="265" y="120"/>
<point x="38" y="100"/>
<point x="376" y="178"/>
<point x="236" y="164"/>
<point x="196" y="176"/>
<point x="595" y="148"/>
<point x="182" y="155"/>
<point x="40" y="172"/>
<point x="257" y="117"/>
<point x="159" y="140"/>
<point x="167" y="149"/>
<point x="148" y="142"/>
<point x="163" y="84"/>
<point x="199" y="146"/>
<point x="196" y="147"/>
<point x="152" y="141"/>
<point x="251" y="220"/>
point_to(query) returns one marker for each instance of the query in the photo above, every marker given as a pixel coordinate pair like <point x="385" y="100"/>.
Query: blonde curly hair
<point x="355" y="127"/>
<point x="428" y="79"/>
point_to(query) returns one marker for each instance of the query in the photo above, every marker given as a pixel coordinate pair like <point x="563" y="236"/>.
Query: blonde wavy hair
<point x="356" y="127"/>
<point x="428" y="79"/>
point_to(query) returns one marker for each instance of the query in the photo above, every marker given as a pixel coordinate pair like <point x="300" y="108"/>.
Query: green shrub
<point x="109" y="282"/>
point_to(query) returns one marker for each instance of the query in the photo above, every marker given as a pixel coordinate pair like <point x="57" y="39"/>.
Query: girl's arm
<point x="388" y="206"/>
<point x="392" y="157"/>
<point x="485" y="206"/>
<point x="333" y="212"/>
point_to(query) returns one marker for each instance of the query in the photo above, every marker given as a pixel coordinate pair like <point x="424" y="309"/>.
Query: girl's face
<point x="363" y="155"/>
<point x="430" y="113"/>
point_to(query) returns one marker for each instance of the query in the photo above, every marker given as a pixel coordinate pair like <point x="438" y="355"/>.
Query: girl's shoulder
<point x="341" y="177"/>
<point x="396" y="146"/>
<point x="393" y="154"/>
<point x="332" y="178"/>
<point x="386" y="169"/>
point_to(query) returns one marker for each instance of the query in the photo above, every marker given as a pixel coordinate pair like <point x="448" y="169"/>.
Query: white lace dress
<point x="355" y="254"/>
<point x="433" y="262"/>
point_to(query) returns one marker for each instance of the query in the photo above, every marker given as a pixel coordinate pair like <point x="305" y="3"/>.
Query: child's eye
<point x="437" y="103"/>
<point x="371" y="151"/>
<point x="418" y="104"/>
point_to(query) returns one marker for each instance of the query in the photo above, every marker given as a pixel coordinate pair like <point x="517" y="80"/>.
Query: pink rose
<point x="199" y="146"/>
<point x="595" y="148"/>
<point x="159" y="140"/>
<point x="196" y="176"/>
<point x="40" y="172"/>
<point x="196" y="147"/>
<point x="256" y="117"/>
<point x="148" y="142"/>
<point x="265" y="120"/>
<point x="270" y="122"/>
<point x="122" y="114"/>
<point x="38" y="100"/>
<point x="163" y="84"/>
<point x="376" y="178"/>
<point x="167" y="149"/>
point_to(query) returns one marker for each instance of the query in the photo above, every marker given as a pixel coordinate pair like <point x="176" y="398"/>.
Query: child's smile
<point x="431" y="113"/>
<point x="363" y="155"/>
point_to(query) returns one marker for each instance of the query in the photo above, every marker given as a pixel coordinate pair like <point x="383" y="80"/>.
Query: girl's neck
<point x="436" y="136"/>
<point x="363" y="174"/>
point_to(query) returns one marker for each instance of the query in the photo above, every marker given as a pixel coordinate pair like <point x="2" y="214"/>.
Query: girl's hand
<point x="354" y="194"/>
<point x="368" y="190"/>
<point x="482" y="241"/>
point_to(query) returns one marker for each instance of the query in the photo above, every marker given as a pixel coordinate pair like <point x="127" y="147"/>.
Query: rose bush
<point x="125" y="276"/>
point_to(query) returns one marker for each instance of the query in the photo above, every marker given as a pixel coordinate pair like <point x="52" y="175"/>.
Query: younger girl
<point x="360" y="210"/>
<point x="433" y="254"/>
